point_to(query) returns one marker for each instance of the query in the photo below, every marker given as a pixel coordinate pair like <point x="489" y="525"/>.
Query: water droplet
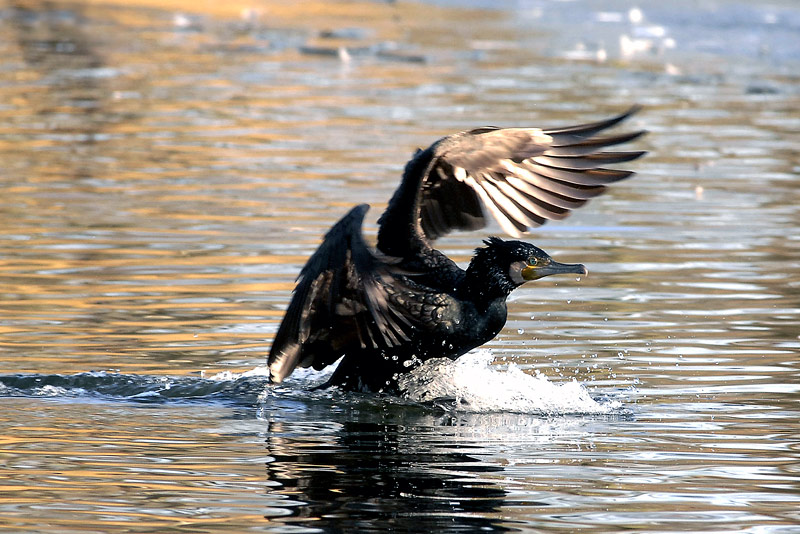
<point x="520" y="330"/>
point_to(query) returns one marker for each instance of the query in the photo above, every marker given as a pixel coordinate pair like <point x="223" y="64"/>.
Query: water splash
<point x="477" y="385"/>
<point x="470" y="384"/>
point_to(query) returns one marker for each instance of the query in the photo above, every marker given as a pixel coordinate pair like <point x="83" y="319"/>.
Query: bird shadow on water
<point x="369" y="476"/>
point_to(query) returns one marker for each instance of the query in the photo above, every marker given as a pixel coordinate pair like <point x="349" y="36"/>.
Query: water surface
<point x="167" y="171"/>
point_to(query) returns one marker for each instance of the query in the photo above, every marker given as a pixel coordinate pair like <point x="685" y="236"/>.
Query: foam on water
<point x="477" y="385"/>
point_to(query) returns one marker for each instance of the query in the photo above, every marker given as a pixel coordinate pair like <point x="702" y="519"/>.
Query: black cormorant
<point x="384" y="311"/>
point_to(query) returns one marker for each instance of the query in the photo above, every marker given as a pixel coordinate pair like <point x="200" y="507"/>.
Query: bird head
<point x="517" y="262"/>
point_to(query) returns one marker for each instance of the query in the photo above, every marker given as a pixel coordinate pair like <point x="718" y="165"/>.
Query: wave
<point x="472" y="383"/>
<point x="241" y="388"/>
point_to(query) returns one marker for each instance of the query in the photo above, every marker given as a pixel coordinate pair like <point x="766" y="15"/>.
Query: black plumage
<point x="386" y="310"/>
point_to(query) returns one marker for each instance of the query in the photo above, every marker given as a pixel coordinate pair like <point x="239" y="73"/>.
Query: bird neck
<point x="485" y="281"/>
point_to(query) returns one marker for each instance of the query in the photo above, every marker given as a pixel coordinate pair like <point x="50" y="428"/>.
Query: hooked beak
<point x="540" y="270"/>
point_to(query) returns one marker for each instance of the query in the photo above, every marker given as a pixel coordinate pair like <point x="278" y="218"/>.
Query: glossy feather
<point x="386" y="310"/>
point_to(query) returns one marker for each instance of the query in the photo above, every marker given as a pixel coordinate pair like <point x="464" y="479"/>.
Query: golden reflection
<point x="169" y="166"/>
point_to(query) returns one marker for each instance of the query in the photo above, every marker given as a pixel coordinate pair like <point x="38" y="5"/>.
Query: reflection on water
<point x="167" y="171"/>
<point x="374" y="477"/>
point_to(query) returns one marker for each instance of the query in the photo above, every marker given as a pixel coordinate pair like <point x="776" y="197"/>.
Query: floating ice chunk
<point x="629" y="47"/>
<point x="650" y="31"/>
<point x="608" y="16"/>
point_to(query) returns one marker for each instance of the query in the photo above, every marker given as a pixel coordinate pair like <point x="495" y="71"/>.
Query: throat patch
<point x="515" y="272"/>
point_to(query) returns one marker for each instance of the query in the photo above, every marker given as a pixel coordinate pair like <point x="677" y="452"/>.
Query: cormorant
<point x="387" y="310"/>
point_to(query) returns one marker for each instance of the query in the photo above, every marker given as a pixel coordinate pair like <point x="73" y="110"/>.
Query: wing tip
<point x="593" y="128"/>
<point x="634" y="109"/>
<point x="275" y="365"/>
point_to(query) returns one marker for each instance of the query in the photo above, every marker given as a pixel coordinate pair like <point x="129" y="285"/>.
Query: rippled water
<point x="166" y="172"/>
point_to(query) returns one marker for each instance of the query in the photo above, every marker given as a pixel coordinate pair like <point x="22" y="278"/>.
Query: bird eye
<point x="533" y="260"/>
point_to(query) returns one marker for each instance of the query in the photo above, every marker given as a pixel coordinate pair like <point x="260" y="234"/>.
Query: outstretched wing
<point x="521" y="176"/>
<point x="341" y="302"/>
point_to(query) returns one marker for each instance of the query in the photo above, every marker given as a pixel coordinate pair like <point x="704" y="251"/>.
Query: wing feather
<point x="340" y="303"/>
<point x="522" y="177"/>
<point x="509" y="226"/>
